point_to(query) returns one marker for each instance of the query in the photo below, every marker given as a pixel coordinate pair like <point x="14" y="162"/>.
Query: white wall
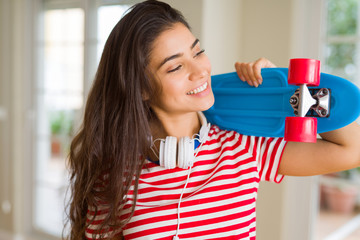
<point x="15" y="89"/>
<point x="266" y="30"/>
<point x="221" y="33"/>
<point x="6" y="215"/>
<point x="192" y="11"/>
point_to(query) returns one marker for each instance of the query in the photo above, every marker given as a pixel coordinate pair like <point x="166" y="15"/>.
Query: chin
<point x="208" y="104"/>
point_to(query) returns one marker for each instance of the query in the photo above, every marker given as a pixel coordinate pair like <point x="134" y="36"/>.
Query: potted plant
<point x="340" y="190"/>
<point x="56" y="126"/>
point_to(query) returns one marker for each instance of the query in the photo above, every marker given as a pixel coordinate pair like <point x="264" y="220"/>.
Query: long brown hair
<point x="115" y="131"/>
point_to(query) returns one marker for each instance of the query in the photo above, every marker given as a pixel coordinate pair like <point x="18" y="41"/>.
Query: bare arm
<point x="338" y="150"/>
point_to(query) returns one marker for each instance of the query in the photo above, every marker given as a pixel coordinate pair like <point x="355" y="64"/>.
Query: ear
<point x="145" y="96"/>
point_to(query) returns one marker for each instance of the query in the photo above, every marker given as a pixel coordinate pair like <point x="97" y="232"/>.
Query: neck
<point x="177" y="125"/>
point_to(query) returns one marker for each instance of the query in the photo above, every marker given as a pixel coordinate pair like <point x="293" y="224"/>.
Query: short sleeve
<point x="268" y="152"/>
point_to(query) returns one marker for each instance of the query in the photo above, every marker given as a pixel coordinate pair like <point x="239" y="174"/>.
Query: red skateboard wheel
<point x="300" y="129"/>
<point x="304" y="71"/>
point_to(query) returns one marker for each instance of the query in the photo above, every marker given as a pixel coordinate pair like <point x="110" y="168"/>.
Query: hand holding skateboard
<point x="251" y="72"/>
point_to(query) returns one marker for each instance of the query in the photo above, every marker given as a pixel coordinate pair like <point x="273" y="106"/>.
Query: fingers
<point x="255" y="74"/>
<point x="240" y="70"/>
<point x="251" y="72"/>
<point x="245" y="73"/>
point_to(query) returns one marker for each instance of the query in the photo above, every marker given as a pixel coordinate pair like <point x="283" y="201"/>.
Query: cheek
<point x="167" y="88"/>
<point x="156" y="88"/>
<point x="172" y="88"/>
<point x="207" y="63"/>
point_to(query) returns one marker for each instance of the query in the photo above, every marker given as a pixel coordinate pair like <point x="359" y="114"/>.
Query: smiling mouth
<point x="198" y="90"/>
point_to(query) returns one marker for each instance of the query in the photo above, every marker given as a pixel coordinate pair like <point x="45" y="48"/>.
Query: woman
<point x="151" y="84"/>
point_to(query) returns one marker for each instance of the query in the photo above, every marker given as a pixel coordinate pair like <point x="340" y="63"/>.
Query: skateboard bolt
<point x="323" y="112"/>
<point x="325" y="91"/>
<point x="293" y="101"/>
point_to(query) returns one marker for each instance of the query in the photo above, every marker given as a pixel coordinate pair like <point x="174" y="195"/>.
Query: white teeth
<point x="199" y="89"/>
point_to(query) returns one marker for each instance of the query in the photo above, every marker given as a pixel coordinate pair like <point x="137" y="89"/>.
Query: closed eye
<point x="199" y="53"/>
<point x="178" y="67"/>
<point x="174" y="69"/>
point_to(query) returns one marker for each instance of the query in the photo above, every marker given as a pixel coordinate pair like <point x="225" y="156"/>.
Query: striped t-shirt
<point x="220" y="198"/>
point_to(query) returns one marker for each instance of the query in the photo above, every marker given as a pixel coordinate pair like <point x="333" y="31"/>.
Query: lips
<point x="198" y="90"/>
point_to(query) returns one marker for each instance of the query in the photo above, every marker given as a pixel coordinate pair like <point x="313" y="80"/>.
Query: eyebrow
<point x="178" y="54"/>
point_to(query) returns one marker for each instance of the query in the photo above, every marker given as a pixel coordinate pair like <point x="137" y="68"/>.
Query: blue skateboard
<point x="291" y="102"/>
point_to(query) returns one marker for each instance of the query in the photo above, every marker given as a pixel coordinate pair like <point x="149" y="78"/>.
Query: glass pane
<point x="63" y="65"/>
<point x="60" y="100"/>
<point x="342" y="17"/>
<point x="341" y="60"/>
<point x="108" y="16"/>
<point x="50" y="193"/>
<point x="50" y="209"/>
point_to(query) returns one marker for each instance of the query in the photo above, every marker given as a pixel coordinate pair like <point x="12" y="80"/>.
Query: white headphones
<point x="185" y="152"/>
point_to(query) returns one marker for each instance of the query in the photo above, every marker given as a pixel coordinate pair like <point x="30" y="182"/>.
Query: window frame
<point x="352" y="39"/>
<point x="90" y="45"/>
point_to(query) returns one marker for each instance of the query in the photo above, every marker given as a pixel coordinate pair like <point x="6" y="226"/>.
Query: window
<point x="341" y="46"/>
<point x="339" y="216"/>
<point x="108" y="16"/>
<point x="59" y="98"/>
<point x="65" y="74"/>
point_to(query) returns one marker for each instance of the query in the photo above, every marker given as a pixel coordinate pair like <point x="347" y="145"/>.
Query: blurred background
<point x="49" y="52"/>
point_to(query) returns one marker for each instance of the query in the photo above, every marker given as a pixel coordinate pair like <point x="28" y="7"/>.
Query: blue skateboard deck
<point x="262" y="111"/>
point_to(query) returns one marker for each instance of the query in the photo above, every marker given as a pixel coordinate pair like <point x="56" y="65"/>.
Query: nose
<point x="197" y="71"/>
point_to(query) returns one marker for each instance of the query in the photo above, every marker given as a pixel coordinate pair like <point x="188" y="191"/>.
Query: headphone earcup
<point x="185" y="152"/>
<point x="181" y="153"/>
<point x="170" y="152"/>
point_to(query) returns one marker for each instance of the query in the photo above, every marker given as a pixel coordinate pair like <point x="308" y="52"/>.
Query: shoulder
<point x="222" y="134"/>
<point x="218" y="136"/>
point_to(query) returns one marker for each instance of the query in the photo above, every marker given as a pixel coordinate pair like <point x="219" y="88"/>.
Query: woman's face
<point x="181" y="69"/>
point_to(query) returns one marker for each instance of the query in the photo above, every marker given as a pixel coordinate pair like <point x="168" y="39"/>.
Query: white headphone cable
<point x="179" y="206"/>
<point x="155" y="151"/>
<point x="182" y="193"/>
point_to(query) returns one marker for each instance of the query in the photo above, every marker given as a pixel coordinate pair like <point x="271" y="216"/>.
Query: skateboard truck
<point x="303" y="127"/>
<point x="303" y="101"/>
